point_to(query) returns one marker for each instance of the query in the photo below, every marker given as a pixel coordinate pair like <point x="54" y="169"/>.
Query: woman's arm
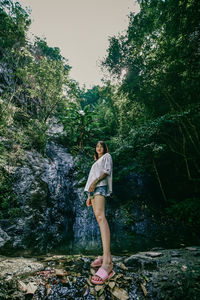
<point x="93" y="184"/>
<point x="101" y="177"/>
<point x="106" y="167"/>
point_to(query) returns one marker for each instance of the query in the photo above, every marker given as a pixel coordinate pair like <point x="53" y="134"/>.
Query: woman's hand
<point x="92" y="186"/>
<point x="88" y="202"/>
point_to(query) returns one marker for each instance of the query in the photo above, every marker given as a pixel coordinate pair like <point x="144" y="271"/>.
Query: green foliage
<point x="187" y="211"/>
<point x="42" y="83"/>
<point x="78" y="128"/>
<point x="37" y="135"/>
<point x="160" y="55"/>
<point x="13" y="25"/>
<point x="84" y="124"/>
<point x="37" y="75"/>
<point x="91" y="96"/>
<point x="42" y="49"/>
<point x="32" y="84"/>
<point x="156" y="63"/>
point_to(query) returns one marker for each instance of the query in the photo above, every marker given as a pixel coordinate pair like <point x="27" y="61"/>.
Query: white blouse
<point x="103" y="165"/>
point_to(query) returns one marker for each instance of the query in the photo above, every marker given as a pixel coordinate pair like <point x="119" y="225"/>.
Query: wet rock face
<point x="46" y="195"/>
<point x="69" y="276"/>
<point x="3" y="237"/>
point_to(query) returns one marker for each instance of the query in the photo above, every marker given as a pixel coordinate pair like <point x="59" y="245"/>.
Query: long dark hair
<point x="105" y="149"/>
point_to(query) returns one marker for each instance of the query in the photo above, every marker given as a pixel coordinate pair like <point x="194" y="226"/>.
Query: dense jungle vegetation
<point x="150" y="118"/>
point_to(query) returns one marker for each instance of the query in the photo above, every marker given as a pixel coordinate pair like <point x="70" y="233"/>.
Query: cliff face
<point x="45" y="191"/>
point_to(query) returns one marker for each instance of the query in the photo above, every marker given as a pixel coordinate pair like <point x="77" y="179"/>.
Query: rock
<point x="46" y="198"/>
<point x="157" y="248"/>
<point x="140" y="261"/>
<point x="133" y="261"/>
<point x="175" y="262"/>
<point x="153" y="254"/>
<point x="4" y="237"/>
<point x="196" y="253"/>
<point x="164" y="278"/>
<point x="16" y="266"/>
<point x="149" y="265"/>
<point x="175" y="254"/>
<point x="55" y="257"/>
<point x="191" y="248"/>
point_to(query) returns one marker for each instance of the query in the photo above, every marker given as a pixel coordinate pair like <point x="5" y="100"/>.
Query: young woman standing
<point x="99" y="186"/>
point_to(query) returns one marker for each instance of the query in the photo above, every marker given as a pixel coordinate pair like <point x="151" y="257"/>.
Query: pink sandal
<point x="97" y="262"/>
<point x="103" y="274"/>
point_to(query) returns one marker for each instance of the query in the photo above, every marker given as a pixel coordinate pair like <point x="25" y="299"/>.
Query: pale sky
<point x="80" y="28"/>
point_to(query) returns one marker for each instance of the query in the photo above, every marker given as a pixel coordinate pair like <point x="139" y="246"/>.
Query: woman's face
<point x="99" y="149"/>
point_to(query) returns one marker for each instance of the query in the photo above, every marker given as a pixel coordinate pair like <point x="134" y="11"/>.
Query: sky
<point x="80" y="28"/>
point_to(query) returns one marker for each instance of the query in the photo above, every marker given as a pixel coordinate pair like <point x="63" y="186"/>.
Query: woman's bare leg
<point x="98" y="204"/>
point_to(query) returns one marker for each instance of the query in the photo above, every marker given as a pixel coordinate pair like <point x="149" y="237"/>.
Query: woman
<point x="99" y="186"/>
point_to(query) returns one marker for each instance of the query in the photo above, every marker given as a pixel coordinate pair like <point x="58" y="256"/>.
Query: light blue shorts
<point x="99" y="190"/>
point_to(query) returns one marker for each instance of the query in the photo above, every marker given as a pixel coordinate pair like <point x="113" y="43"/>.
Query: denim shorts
<point x="99" y="190"/>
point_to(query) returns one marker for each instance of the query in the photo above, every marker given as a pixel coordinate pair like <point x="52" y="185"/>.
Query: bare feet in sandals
<point x="104" y="273"/>
<point x="97" y="262"/>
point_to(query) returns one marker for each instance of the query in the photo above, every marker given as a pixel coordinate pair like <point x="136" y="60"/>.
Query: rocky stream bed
<point x="155" y="274"/>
